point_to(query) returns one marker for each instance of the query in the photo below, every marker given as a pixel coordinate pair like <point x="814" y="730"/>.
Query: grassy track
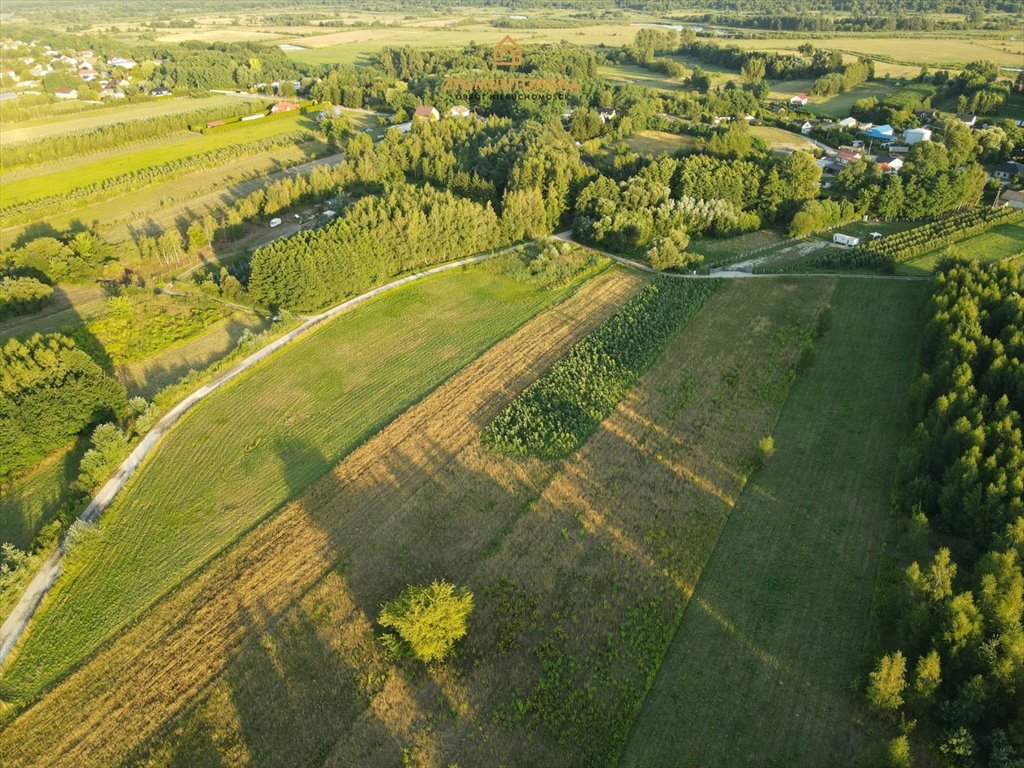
<point x="769" y="646"/>
<point x="249" y="448"/>
<point x="581" y="564"/>
<point x="93" y="170"/>
<point x="42" y="128"/>
<point x="32" y="500"/>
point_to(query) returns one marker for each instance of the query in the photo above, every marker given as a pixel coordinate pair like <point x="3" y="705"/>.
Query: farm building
<point x="848" y="122"/>
<point x="882" y="132"/>
<point x="799" y="100"/>
<point x="915" y="135"/>
<point x="426" y="112"/>
<point x="1010" y="197"/>
<point x="847" y="240"/>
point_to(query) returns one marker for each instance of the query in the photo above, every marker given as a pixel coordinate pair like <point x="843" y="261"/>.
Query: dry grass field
<point x="581" y="569"/>
<point x="658" y="142"/>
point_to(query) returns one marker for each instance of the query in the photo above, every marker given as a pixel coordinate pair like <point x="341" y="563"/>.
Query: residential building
<point x="426" y="112"/>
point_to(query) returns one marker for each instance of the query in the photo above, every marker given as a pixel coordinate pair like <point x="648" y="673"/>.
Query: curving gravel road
<point x="47" y="574"/>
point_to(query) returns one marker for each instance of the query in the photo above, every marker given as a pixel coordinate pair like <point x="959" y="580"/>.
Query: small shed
<point x="847" y="240"/>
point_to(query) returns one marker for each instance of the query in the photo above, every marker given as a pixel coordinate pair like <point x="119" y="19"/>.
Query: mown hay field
<point x="581" y="568"/>
<point x="42" y="181"/>
<point x="250" y="447"/>
<point x="770" y="649"/>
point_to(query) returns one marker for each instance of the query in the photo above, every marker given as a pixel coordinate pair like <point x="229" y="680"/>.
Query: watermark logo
<point x="507" y="53"/>
<point x="510" y="85"/>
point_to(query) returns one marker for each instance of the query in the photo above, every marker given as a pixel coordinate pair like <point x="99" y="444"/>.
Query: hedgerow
<point x="904" y="246"/>
<point x="557" y="413"/>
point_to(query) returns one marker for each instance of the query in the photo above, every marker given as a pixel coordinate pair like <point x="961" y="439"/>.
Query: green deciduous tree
<point x="428" y="620"/>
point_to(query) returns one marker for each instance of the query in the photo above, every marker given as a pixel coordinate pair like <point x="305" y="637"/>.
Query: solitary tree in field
<point x="887" y="682"/>
<point x="428" y="620"/>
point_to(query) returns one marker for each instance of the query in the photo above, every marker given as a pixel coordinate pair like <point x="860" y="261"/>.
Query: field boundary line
<point x="17" y="621"/>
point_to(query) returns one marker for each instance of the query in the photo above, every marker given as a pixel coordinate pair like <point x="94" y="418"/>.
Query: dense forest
<point x="953" y="618"/>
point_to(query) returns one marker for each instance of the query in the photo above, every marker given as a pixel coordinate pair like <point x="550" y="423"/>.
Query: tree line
<point x="950" y="684"/>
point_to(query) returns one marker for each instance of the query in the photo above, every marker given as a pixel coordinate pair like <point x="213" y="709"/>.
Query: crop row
<point x="558" y="412"/>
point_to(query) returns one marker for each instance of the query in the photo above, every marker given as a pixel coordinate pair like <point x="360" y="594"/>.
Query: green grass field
<point x="42" y="128"/>
<point x="778" y="138"/>
<point x="839" y="105"/>
<point x="31" y="501"/>
<point x="658" y="142"/>
<point x="769" y="648"/>
<point x="998" y="243"/>
<point x="20" y="187"/>
<point x="630" y="74"/>
<point x="217" y="474"/>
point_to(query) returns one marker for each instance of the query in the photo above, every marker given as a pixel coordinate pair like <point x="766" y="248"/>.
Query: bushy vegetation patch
<point x="134" y="329"/>
<point x="556" y="414"/>
<point x="50" y="390"/>
<point x="546" y="264"/>
<point x="22" y="295"/>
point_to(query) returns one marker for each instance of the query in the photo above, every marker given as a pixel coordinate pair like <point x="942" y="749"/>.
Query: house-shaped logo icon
<point x="507" y="53"/>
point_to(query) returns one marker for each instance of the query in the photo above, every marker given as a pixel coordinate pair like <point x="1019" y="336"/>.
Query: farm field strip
<point x="769" y="647"/>
<point x="424" y="499"/>
<point x="290" y="552"/>
<point x="137" y="157"/>
<point x="42" y="128"/>
<point x="189" y="196"/>
<point x="303" y="415"/>
<point x="934" y="52"/>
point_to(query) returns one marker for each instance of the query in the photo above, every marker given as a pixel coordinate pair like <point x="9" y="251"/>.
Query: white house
<point x="806" y="128"/>
<point x="915" y="135"/>
<point x="799" y="100"/>
<point x="847" y="240"/>
<point x="459" y="110"/>
<point x="848" y="122"/>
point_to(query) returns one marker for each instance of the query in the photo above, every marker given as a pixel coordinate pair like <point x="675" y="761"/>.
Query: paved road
<point x="44" y="578"/>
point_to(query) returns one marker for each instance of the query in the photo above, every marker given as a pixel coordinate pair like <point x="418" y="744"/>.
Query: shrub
<point x="554" y="415"/>
<point x="765" y="450"/>
<point x="428" y="620"/>
<point x="22" y="295"/>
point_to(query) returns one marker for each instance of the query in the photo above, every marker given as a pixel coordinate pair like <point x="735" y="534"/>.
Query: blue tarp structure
<point x="879" y="132"/>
